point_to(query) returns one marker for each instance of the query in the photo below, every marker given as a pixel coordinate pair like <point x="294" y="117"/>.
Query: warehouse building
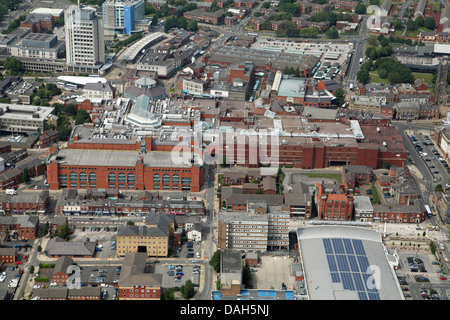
<point x="339" y="261"/>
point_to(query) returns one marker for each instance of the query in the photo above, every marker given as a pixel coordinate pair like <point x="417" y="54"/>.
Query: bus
<point x="429" y="213"/>
<point x="253" y="34"/>
<point x="71" y="86"/>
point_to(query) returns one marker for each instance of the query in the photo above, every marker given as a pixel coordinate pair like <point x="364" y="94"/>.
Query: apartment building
<point x="23" y="119"/>
<point x="151" y="238"/>
<point x="200" y="15"/>
<point x="85" y="43"/>
<point x="135" y="283"/>
<point x="24" y="226"/>
<point x="262" y="228"/>
<point x="120" y="16"/>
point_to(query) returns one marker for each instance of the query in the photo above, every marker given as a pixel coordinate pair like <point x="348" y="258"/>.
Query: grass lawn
<point x="398" y="32"/>
<point x="375" y="78"/>
<point x="325" y="175"/>
<point x="413" y="34"/>
<point x="427" y="77"/>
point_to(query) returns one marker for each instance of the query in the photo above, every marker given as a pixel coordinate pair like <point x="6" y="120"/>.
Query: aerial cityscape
<point x="241" y="150"/>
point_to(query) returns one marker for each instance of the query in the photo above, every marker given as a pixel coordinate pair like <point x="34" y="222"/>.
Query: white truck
<point x="11" y="191"/>
<point x="13" y="283"/>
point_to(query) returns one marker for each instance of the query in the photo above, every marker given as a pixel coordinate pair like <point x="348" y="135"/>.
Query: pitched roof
<point x="133" y="272"/>
<point x="58" y="246"/>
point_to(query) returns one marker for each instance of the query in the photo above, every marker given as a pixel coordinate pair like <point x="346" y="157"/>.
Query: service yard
<point x="273" y="272"/>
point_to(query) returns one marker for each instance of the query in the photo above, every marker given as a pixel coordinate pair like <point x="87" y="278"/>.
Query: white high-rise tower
<point x="85" y="44"/>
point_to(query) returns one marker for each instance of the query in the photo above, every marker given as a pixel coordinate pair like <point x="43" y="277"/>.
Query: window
<point x="63" y="177"/>
<point x="122" y="177"/>
<point x="175" y="178"/>
<point x="131" y="178"/>
<point x="186" y="180"/>
<point x="73" y="176"/>
<point x="112" y="177"/>
<point x="166" y="178"/>
<point x="156" y="178"/>
<point x="83" y="176"/>
<point x="92" y="177"/>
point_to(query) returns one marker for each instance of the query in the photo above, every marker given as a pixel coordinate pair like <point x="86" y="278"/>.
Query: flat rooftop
<point x="110" y="158"/>
<point x="292" y="88"/>
<point x="336" y="260"/>
<point x="24" y="112"/>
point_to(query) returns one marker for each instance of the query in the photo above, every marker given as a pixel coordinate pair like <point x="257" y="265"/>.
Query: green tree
<point x="429" y="23"/>
<point x="82" y="116"/>
<point x="154" y="21"/>
<point x="383" y="73"/>
<point x="360" y="8"/>
<point x="187" y="290"/>
<point x="308" y="32"/>
<point x="13" y="64"/>
<point x="363" y="76"/>
<point x="25" y="175"/>
<point x="340" y="96"/>
<point x="192" y="25"/>
<point x="215" y="261"/>
<point x="411" y="25"/>
<point x="46" y="228"/>
<point x="332" y="33"/>
<point x="395" y="77"/>
<point x="64" y="232"/>
<point x="64" y="132"/>
<point x="266" y="25"/>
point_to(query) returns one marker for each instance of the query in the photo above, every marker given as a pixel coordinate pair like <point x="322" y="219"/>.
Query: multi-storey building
<point x="120" y="16"/>
<point x="85" y="45"/>
<point x="135" y="283"/>
<point x="25" y="226"/>
<point x="24" y="119"/>
<point x="152" y="238"/>
<point x="83" y="169"/>
<point x="261" y="228"/>
<point x="38" y="45"/>
<point x="25" y="203"/>
<point x="333" y="202"/>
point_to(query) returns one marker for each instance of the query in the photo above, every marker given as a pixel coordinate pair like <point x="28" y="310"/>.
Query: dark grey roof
<point x="58" y="246"/>
<point x="62" y="264"/>
<point x="132" y="273"/>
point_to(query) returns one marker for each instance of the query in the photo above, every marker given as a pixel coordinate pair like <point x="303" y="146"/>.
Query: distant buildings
<point x="85" y="43"/>
<point x="120" y="16"/>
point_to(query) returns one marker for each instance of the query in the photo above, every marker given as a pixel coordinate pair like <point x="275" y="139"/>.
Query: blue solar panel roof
<point x="348" y="263"/>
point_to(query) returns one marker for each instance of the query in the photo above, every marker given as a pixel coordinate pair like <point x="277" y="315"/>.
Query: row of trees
<point x="387" y="68"/>
<point x="180" y="22"/>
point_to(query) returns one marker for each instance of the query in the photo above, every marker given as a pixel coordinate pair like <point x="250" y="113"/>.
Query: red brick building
<point x="8" y="255"/>
<point x="25" y="227"/>
<point x="135" y="283"/>
<point x="334" y="206"/>
<point x="129" y="170"/>
<point x="48" y="138"/>
<point x="38" y="23"/>
<point x="60" y="274"/>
